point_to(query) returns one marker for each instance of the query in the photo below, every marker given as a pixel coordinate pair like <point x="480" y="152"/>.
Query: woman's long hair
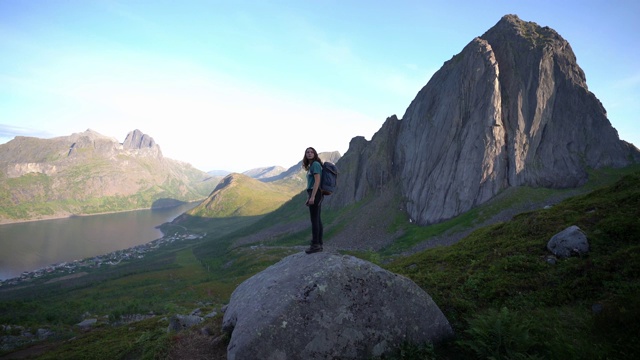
<point x="306" y="162"/>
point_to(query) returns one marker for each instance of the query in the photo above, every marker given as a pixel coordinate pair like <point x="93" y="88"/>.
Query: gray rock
<point x="511" y="109"/>
<point x="138" y="140"/>
<point x="142" y="143"/>
<point x="328" y="306"/>
<point x="196" y="312"/>
<point x="182" y="322"/>
<point x="570" y="241"/>
<point x="44" y="334"/>
<point x="87" y="323"/>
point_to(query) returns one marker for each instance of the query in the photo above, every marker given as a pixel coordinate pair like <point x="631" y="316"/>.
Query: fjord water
<point x="33" y="245"/>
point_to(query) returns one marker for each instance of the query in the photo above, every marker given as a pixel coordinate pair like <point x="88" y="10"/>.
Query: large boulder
<point x="327" y="306"/>
<point x="568" y="242"/>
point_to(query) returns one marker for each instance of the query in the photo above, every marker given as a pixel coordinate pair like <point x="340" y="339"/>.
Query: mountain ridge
<point x="88" y="173"/>
<point x="256" y="192"/>
<point x="511" y="109"/>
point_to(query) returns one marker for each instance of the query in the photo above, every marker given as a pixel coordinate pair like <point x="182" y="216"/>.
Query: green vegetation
<point x="40" y="203"/>
<point x="504" y="294"/>
<point x="506" y="301"/>
<point x="244" y="196"/>
<point x="44" y="181"/>
<point x="512" y="198"/>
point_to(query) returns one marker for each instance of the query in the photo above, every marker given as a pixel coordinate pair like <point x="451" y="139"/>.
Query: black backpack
<point x="329" y="178"/>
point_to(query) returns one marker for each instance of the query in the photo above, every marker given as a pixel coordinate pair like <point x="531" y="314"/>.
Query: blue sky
<point x="236" y="85"/>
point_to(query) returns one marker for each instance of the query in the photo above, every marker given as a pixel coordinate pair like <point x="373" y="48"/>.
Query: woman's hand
<point x="310" y="201"/>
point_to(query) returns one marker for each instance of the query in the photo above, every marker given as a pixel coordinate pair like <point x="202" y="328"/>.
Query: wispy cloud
<point x="9" y="132"/>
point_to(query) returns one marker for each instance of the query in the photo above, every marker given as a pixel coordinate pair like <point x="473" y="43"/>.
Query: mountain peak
<point x="512" y="29"/>
<point x="137" y="140"/>
<point x="511" y="20"/>
<point x="511" y="109"/>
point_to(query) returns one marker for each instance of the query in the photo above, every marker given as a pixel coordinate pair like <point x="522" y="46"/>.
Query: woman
<point x="312" y="163"/>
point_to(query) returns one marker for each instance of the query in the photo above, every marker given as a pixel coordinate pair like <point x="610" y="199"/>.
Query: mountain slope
<point x="501" y="280"/>
<point x="266" y="172"/>
<point x="512" y="109"/>
<point x="243" y="195"/>
<point x="87" y="173"/>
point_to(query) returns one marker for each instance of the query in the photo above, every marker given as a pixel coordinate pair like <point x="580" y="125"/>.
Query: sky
<point x="237" y="85"/>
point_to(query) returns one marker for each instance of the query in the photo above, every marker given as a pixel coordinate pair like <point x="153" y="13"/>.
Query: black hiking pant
<point x="316" y="220"/>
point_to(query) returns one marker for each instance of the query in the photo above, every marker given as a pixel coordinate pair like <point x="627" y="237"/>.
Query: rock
<point x="142" y="144"/>
<point x="87" y="323"/>
<point x="196" y="312"/>
<point x="568" y="242"/>
<point x="329" y="306"/>
<point x="138" y="140"/>
<point x="44" y="334"/>
<point x="511" y="109"/>
<point x="183" y="322"/>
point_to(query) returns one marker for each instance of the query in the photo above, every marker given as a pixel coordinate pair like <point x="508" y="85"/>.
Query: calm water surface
<point x="33" y="245"/>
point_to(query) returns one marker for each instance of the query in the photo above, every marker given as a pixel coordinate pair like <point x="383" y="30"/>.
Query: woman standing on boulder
<point x="312" y="163"/>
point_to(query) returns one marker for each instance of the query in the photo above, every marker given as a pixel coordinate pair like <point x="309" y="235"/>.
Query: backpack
<point x="329" y="178"/>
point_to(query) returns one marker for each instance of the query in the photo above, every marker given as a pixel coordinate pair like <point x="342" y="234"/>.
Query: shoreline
<point x="156" y="240"/>
<point x="71" y="215"/>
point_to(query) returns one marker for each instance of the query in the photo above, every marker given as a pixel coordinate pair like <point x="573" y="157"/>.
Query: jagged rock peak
<point x="511" y="109"/>
<point x="526" y="29"/>
<point x="136" y="139"/>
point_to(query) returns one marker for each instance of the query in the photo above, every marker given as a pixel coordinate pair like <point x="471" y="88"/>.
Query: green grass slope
<point x="240" y="195"/>
<point x="508" y="298"/>
<point x="498" y="286"/>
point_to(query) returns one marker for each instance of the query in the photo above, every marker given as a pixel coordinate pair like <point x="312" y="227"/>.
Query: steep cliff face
<point x="511" y="109"/>
<point x="367" y="166"/>
<point x="555" y="126"/>
<point x="451" y="143"/>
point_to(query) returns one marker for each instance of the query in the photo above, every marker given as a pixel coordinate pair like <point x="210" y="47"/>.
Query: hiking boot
<point x="313" y="249"/>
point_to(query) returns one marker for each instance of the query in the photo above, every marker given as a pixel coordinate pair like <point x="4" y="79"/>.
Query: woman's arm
<point x="316" y="185"/>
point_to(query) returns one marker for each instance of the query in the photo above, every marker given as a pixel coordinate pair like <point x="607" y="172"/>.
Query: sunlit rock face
<point x="511" y="109"/>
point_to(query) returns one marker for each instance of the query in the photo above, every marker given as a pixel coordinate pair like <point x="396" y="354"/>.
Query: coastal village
<point x="111" y="259"/>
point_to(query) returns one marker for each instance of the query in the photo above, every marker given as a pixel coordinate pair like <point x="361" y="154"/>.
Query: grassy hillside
<point x="88" y="173"/>
<point x="507" y="297"/>
<point x="503" y="293"/>
<point x="240" y="195"/>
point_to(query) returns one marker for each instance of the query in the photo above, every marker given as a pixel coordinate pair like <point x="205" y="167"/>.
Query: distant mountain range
<point x="255" y="192"/>
<point x="87" y="173"/>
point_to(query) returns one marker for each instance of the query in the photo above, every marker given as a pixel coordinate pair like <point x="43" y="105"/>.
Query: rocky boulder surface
<point x="329" y="306"/>
<point x="512" y="109"/>
<point x="568" y="242"/>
